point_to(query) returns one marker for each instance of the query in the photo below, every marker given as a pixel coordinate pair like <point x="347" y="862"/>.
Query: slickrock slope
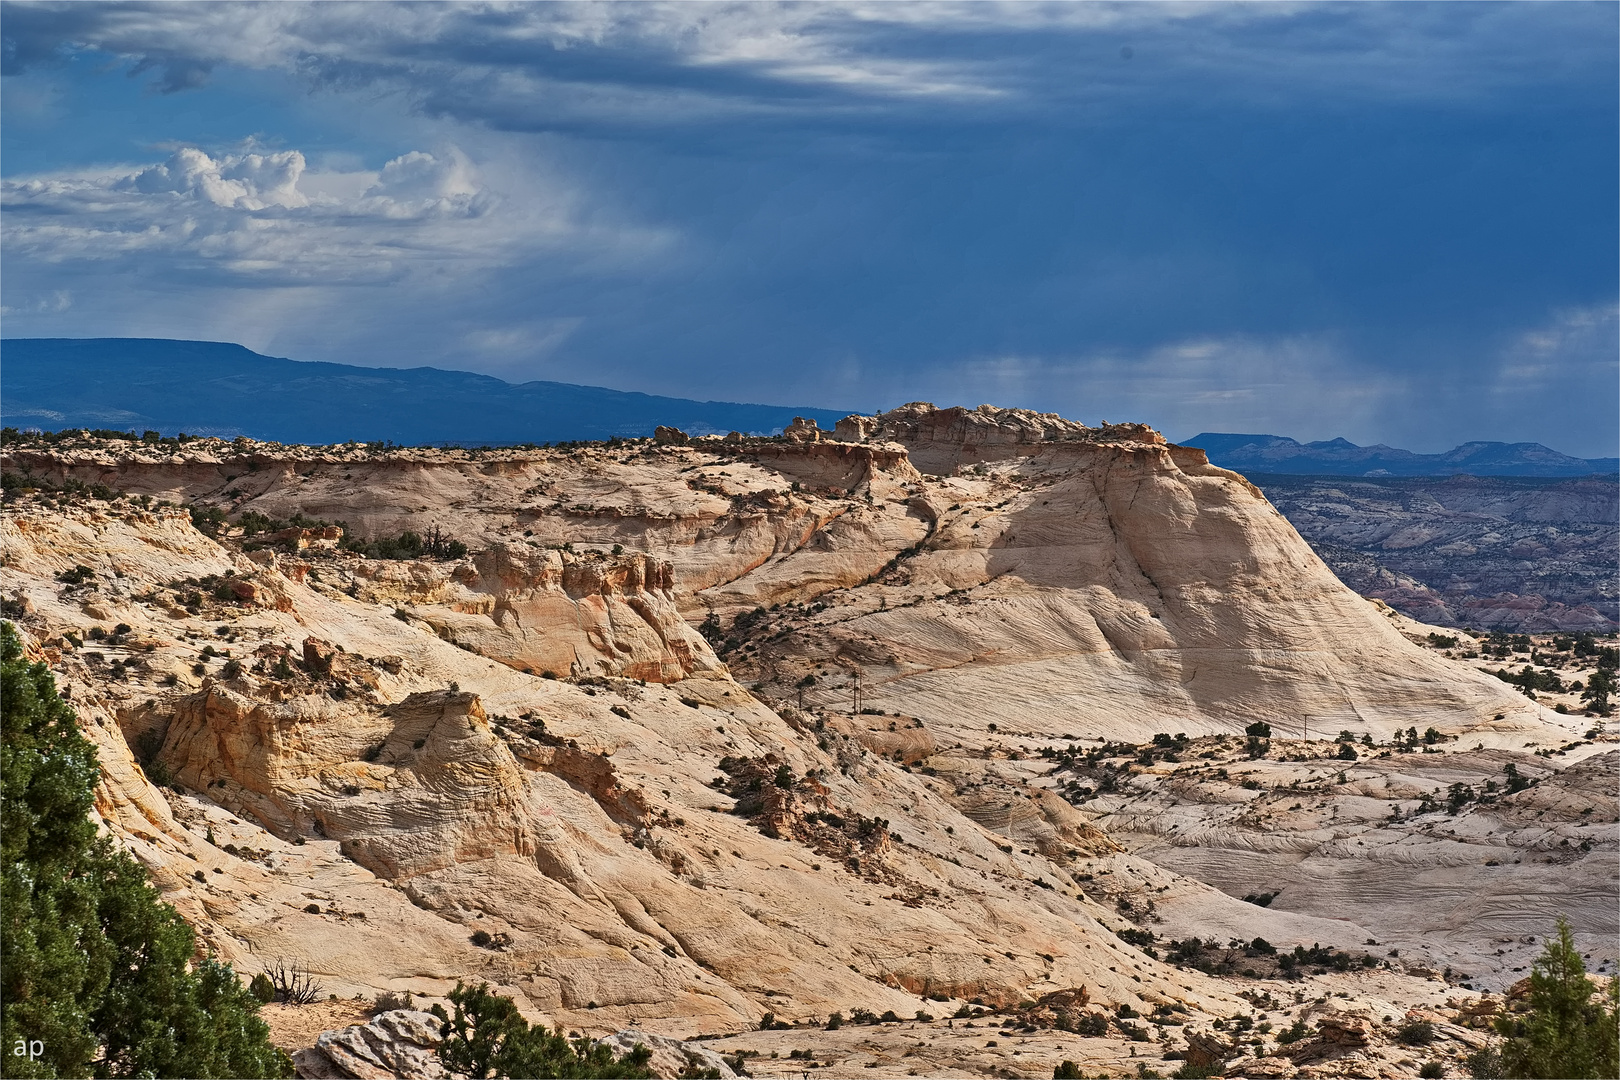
<point x="1374" y="845"/>
<point x="524" y="765"/>
<point x="1109" y="588"/>
<point x="573" y="822"/>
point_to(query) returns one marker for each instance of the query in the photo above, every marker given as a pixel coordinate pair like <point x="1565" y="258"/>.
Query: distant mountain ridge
<point x="1340" y="457"/>
<point x="217" y="388"/>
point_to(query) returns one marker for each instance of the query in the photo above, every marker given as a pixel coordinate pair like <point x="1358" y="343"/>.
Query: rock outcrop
<point x="421" y="786"/>
<point x="1054" y="587"/>
<point x="943" y="440"/>
<point x="398" y="1045"/>
<point x="543" y="610"/>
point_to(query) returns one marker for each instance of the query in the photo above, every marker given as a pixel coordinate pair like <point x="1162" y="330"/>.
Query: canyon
<point x="1518" y="554"/>
<point x="942" y="712"/>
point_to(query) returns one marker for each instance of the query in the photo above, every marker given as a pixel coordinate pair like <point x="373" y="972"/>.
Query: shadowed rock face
<point x="554" y="611"/>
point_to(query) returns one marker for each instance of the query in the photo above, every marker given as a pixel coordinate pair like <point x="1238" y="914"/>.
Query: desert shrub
<point x="207" y="520"/>
<point x="1295" y="1032"/>
<point x="1485" y="1064"/>
<point x="1415" y="1033"/>
<point x="92" y="963"/>
<point x="388" y="1001"/>
<point x="409" y="545"/>
<point x="293" y="983"/>
<point x="486" y="1036"/>
<point x="1432" y="1070"/>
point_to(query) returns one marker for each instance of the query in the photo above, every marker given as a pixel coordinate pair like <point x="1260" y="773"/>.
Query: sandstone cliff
<point x="1066" y="579"/>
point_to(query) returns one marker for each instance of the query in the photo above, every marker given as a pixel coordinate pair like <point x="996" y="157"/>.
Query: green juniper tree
<point x="95" y="970"/>
<point x="486" y="1037"/>
<point x="1566" y="1035"/>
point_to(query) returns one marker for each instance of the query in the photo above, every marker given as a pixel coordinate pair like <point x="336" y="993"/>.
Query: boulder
<point x="670" y="1057"/>
<point x="1206" y="1049"/>
<point x="670" y="436"/>
<point x="1479" y="1014"/>
<point x="802" y="430"/>
<point x="397" y="1045"/>
<point x="856" y="428"/>
<point x="318" y="654"/>
<point x="1345" y="1029"/>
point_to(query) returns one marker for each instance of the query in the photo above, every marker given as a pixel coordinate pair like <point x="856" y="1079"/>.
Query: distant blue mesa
<point x="216" y="388"/>
<point x="1340" y="457"/>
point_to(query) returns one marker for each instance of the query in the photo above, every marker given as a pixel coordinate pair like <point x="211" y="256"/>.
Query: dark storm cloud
<point x="1235" y="212"/>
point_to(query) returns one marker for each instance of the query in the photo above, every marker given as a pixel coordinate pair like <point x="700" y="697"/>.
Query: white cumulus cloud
<point x="264" y="217"/>
<point x="246" y="181"/>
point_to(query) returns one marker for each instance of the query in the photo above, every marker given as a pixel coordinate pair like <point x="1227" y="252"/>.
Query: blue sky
<point x="1388" y="222"/>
